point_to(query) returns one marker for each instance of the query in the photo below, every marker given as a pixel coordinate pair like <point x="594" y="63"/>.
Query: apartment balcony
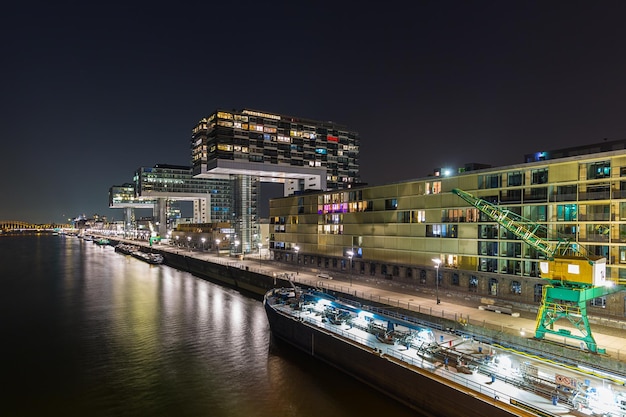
<point x="619" y="194"/>
<point x="563" y="197"/>
<point x="601" y="217"/>
<point x="594" y="238"/>
<point x="594" y="195"/>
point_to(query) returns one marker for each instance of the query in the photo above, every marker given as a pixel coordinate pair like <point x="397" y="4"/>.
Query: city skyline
<point x="90" y="95"/>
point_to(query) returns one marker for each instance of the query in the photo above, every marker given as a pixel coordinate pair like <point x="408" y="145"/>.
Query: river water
<point x="87" y="331"/>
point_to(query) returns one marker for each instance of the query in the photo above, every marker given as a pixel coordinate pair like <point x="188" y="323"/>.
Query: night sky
<point x="89" y="94"/>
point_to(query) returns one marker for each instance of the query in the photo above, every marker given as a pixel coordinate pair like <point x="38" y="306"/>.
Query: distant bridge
<point x="17" y="225"/>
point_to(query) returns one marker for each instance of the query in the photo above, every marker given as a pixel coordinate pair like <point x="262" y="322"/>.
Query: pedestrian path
<point x="453" y="307"/>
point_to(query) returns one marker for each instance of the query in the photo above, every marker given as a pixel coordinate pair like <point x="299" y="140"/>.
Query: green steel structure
<point x="567" y="296"/>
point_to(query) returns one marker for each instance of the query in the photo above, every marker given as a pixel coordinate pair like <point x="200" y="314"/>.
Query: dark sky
<point x="89" y="94"/>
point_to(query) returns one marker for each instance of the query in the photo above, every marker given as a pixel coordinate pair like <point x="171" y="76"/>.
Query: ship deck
<point x="429" y="357"/>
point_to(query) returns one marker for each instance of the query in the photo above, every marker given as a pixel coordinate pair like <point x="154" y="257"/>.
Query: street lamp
<point x="350" y="255"/>
<point x="236" y="247"/>
<point x="296" y="249"/>
<point x="203" y="240"/>
<point x="259" y="245"/>
<point x="437" y="263"/>
<point x="177" y="243"/>
<point x="189" y="243"/>
<point x="217" y="246"/>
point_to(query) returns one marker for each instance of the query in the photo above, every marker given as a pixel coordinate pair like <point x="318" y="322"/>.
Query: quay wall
<point x="237" y="277"/>
<point x="423" y="392"/>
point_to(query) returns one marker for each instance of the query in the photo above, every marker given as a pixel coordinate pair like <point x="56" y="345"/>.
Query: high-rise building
<point x="248" y="147"/>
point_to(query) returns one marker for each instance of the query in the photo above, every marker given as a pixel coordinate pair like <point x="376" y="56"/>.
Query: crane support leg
<point x="571" y="304"/>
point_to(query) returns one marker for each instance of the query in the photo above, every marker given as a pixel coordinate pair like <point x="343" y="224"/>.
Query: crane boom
<point x="518" y="225"/>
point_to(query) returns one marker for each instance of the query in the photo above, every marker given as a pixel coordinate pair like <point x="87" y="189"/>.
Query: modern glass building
<point x="395" y="231"/>
<point x="248" y="147"/>
<point x="160" y="187"/>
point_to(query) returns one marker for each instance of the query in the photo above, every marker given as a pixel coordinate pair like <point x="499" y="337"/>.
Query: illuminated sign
<point x="332" y="138"/>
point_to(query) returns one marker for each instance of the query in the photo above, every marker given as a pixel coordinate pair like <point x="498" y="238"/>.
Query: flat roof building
<point x="394" y="231"/>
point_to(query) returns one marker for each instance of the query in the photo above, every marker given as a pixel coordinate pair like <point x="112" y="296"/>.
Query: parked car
<point x="324" y="275"/>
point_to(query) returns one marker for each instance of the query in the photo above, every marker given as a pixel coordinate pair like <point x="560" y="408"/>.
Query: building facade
<point x="162" y="186"/>
<point x="248" y="147"/>
<point x="396" y="230"/>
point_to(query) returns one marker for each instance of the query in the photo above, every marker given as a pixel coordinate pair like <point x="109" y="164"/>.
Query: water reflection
<point x="106" y="334"/>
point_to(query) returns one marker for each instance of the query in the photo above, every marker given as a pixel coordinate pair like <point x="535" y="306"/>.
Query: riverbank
<point x="255" y="276"/>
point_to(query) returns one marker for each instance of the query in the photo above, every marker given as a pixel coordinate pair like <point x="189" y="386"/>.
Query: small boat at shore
<point x="126" y="248"/>
<point x="151" y="258"/>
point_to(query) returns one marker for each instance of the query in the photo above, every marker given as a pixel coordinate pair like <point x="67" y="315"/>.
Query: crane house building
<point x="417" y="231"/>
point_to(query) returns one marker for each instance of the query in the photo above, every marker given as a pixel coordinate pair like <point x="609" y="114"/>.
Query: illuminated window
<point x="433" y="187"/>
<point x="471" y="215"/>
<point x="419" y="216"/>
<point x="599" y="170"/>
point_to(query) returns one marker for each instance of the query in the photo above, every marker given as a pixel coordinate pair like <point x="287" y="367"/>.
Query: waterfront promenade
<point x="423" y="300"/>
<point x="455" y="306"/>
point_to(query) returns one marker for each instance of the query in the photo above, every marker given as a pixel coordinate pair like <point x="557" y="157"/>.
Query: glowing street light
<point x="189" y="243"/>
<point x="259" y="245"/>
<point x="350" y="255"/>
<point x="437" y="262"/>
<point x="203" y="240"/>
<point x="217" y="246"/>
<point x="297" y="249"/>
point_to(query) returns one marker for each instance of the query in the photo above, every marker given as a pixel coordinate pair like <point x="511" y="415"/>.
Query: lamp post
<point x="297" y="249"/>
<point x="189" y="243"/>
<point x="236" y="247"/>
<point x="350" y="255"/>
<point x="259" y="245"/>
<point x="437" y="263"/>
<point x="177" y="237"/>
<point x="217" y="246"/>
<point x="203" y="240"/>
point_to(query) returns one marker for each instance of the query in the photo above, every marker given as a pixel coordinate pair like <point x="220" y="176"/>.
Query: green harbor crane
<point x="574" y="277"/>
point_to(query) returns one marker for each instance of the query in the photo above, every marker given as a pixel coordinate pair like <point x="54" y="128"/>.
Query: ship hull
<point x="416" y="388"/>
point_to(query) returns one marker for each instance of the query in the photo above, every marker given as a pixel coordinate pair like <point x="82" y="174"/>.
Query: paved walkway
<point x="452" y="305"/>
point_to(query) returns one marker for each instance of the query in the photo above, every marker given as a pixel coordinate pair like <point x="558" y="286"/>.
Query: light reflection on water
<point x="90" y="332"/>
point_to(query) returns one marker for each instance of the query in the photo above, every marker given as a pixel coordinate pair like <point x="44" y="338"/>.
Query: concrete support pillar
<point x="160" y="216"/>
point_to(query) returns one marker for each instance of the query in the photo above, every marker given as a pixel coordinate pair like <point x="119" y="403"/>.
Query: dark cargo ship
<point x="391" y="354"/>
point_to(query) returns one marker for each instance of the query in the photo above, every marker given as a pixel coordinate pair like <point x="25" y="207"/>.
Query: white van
<point x="324" y="275"/>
